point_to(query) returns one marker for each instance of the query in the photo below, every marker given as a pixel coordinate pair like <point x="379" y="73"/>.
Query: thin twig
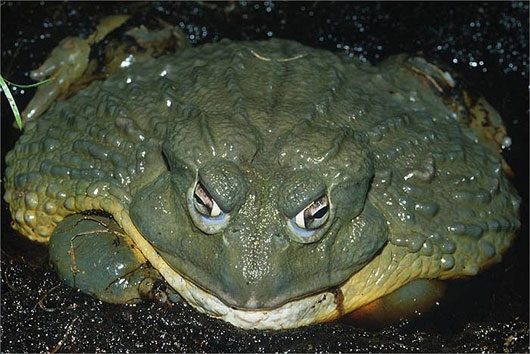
<point x="8" y="282"/>
<point x="43" y="306"/>
<point x="61" y="342"/>
<point x="41" y="300"/>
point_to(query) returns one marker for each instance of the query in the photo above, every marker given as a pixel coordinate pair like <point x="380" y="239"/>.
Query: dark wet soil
<point x="486" y="44"/>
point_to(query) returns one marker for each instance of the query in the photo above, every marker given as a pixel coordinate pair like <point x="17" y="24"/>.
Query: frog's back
<point x="100" y="145"/>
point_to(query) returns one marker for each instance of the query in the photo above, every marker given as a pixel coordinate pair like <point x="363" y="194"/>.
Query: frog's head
<point x="260" y="220"/>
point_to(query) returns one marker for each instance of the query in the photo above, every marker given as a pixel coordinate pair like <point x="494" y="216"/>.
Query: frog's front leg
<point x="91" y="253"/>
<point x="66" y="65"/>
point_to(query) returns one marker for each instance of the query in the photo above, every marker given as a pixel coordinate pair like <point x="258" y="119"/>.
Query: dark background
<point x="484" y="44"/>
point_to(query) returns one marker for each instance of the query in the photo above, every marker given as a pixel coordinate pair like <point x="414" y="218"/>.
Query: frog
<point x="268" y="184"/>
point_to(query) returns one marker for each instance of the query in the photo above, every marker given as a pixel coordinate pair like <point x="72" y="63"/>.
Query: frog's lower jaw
<point x="362" y="288"/>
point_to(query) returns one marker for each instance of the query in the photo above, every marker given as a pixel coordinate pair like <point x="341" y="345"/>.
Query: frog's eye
<point x="204" y="210"/>
<point x="204" y="203"/>
<point x="314" y="215"/>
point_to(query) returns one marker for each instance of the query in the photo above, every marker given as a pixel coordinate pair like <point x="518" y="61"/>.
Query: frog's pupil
<point x="202" y="198"/>
<point x="199" y="200"/>
<point x="320" y="213"/>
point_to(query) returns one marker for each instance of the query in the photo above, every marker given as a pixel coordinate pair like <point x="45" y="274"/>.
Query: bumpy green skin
<point x="267" y="127"/>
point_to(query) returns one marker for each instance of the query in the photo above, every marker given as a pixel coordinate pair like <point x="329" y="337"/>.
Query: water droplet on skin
<point x="127" y="61"/>
<point x="506" y="142"/>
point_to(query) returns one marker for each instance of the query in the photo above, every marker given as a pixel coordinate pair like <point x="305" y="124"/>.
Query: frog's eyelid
<point x="314" y="195"/>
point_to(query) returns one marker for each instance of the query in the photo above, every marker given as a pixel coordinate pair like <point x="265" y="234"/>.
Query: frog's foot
<point x="65" y="65"/>
<point x="91" y="253"/>
<point x="441" y="80"/>
<point x="156" y="42"/>
<point x="474" y="112"/>
<point x="407" y="302"/>
<point x="487" y="124"/>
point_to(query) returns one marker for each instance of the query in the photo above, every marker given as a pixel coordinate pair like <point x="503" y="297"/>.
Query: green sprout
<point x="11" y="100"/>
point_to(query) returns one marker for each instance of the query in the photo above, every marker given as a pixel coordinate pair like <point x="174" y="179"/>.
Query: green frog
<point x="268" y="184"/>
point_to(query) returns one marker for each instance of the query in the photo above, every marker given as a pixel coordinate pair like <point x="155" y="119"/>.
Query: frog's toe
<point x="158" y="290"/>
<point x="93" y="254"/>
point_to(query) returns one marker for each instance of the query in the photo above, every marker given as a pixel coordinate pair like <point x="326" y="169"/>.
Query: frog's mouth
<point x="251" y="301"/>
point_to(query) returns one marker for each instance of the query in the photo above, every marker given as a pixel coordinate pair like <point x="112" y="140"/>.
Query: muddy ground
<point x="484" y="44"/>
